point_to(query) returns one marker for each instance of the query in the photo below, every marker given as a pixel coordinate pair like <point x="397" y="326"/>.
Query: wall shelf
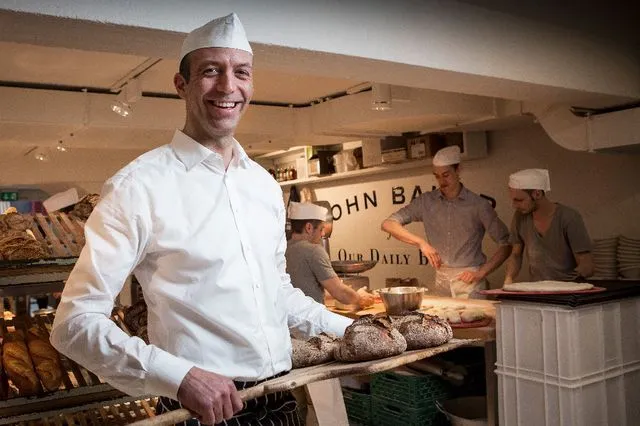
<point x="385" y="168"/>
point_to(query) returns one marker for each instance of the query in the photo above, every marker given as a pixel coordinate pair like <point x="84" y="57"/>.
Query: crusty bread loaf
<point x="317" y="350"/>
<point x="18" y="366"/>
<point x="135" y="318"/>
<point x="45" y="359"/>
<point x="16" y="221"/>
<point x="423" y="331"/>
<point x="370" y="337"/>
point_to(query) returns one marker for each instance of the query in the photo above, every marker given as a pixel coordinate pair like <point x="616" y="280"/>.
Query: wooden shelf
<point x="385" y="168"/>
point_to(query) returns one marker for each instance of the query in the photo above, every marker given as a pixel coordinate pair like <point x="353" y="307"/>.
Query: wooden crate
<point x="62" y="234"/>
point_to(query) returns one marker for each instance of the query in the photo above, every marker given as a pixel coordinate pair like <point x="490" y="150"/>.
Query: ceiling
<point x="58" y="72"/>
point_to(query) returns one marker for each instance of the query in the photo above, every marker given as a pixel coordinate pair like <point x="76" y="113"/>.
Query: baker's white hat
<point x="307" y="211"/>
<point x="447" y="156"/>
<point x="226" y="31"/>
<point x="530" y="179"/>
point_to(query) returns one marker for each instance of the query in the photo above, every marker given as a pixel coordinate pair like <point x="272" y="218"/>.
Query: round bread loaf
<point x="16" y="222"/>
<point x="370" y="337"/>
<point x="317" y="350"/>
<point x="423" y="331"/>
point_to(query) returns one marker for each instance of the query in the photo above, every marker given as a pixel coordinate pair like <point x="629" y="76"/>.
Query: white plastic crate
<point x="567" y="343"/>
<point x="607" y="399"/>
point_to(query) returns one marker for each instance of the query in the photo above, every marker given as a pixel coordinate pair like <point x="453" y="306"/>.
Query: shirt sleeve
<point x="577" y="234"/>
<point x="495" y="227"/>
<point x="514" y="235"/>
<point x="409" y="213"/>
<point x="115" y="234"/>
<point x="320" y="264"/>
<point x="304" y="314"/>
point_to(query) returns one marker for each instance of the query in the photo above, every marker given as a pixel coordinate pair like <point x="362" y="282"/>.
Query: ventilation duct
<point x="617" y="131"/>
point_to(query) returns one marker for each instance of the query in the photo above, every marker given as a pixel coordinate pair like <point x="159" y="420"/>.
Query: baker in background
<point x="202" y="227"/>
<point x="308" y="263"/>
<point x="552" y="235"/>
<point x="455" y="221"/>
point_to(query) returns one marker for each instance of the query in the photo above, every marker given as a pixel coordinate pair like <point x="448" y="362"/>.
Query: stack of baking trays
<point x="40" y="386"/>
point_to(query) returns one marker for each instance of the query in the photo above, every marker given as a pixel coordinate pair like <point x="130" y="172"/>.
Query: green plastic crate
<point x="358" y="405"/>
<point x="413" y="392"/>
<point x="390" y="413"/>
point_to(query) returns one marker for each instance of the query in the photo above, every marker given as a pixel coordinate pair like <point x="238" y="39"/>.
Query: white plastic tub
<point x="567" y="343"/>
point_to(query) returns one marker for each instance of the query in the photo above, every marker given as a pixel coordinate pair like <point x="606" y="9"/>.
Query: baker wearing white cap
<point x="201" y="226"/>
<point x="309" y="265"/>
<point x="455" y="221"/>
<point x="553" y="236"/>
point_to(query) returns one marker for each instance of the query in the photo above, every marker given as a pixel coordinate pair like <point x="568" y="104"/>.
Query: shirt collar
<point x="191" y="153"/>
<point x="461" y="195"/>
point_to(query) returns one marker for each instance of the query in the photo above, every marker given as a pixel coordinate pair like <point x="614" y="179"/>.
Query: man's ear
<point x="537" y="194"/>
<point x="308" y="227"/>
<point x="179" y="83"/>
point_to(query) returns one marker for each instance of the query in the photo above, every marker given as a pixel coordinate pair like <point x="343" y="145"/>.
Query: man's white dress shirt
<point x="207" y="246"/>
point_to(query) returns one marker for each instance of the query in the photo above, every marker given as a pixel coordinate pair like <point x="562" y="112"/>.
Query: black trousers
<point x="276" y="409"/>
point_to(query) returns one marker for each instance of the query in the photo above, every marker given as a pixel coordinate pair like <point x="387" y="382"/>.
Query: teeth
<point x="224" y="104"/>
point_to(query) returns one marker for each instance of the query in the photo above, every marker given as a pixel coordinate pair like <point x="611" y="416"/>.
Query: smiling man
<point x="455" y="221"/>
<point x="202" y="227"/>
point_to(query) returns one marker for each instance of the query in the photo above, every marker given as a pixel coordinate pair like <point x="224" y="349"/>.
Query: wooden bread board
<point x="302" y="376"/>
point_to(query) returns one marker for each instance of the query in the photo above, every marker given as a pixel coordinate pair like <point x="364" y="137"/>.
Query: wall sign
<point x="369" y="200"/>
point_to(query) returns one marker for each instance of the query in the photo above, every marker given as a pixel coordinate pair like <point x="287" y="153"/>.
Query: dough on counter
<point x="317" y="350"/>
<point x="453" y="317"/>
<point x="423" y="331"/>
<point x="472" y="315"/>
<point x="370" y="337"/>
<point x="547" y="286"/>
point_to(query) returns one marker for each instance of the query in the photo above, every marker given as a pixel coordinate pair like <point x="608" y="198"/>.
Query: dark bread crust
<point x="370" y="337"/>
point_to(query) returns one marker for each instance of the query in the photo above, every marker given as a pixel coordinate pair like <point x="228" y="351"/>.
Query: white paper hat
<point x="530" y="179"/>
<point x="307" y="211"/>
<point x="226" y="31"/>
<point x="447" y="156"/>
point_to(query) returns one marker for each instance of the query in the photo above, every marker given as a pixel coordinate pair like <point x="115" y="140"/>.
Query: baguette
<point x="18" y="366"/>
<point x="45" y="359"/>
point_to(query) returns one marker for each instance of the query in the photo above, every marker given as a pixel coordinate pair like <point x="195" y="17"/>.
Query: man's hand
<point x="431" y="254"/>
<point x="365" y="299"/>
<point x="471" y="277"/>
<point x="212" y="397"/>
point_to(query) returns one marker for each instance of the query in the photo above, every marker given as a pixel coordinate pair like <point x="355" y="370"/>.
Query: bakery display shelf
<point x="115" y="412"/>
<point x="79" y="386"/>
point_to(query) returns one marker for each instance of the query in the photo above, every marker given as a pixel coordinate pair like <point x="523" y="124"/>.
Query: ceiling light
<point x="129" y="93"/>
<point x="121" y="108"/>
<point x="41" y="156"/>
<point x="60" y="147"/>
<point x="380" y="97"/>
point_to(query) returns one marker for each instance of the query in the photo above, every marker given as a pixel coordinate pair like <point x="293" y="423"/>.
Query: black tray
<point x="616" y="290"/>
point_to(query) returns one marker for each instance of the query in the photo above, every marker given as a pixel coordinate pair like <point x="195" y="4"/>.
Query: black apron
<point x="276" y="409"/>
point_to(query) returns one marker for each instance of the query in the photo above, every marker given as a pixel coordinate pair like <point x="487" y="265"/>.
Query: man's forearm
<point x="513" y="267"/>
<point x="498" y="258"/>
<point x="400" y="233"/>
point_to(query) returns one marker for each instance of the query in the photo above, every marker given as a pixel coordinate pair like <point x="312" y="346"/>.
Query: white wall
<point x="604" y="188"/>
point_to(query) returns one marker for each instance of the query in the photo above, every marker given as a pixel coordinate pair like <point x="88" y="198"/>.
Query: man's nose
<point x="226" y="82"/>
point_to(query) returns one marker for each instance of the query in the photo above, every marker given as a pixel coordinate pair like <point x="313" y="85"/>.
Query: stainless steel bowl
<point x="400" y="299"/>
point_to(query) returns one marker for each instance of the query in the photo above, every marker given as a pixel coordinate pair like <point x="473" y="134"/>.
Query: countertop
<point x="486" y="333"/>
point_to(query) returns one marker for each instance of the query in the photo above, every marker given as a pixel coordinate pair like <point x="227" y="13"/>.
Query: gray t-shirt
<point x="551" y="256"/>
<point x="455" y="227"/>
<point x="308" y="264"/>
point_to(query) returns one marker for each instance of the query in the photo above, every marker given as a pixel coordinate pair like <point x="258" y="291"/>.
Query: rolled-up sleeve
<point x="304" y="314"/>
<point x="116" y="234"/>
<point x="410" y="213"/>
<point x="494" y="226"/>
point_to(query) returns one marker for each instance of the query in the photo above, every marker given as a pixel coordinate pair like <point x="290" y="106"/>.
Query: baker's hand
<point x="212" y="397"/>
<point x="431" y="254"/>
<point x="471" y="277"/>
<point x="365" y="299"/>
